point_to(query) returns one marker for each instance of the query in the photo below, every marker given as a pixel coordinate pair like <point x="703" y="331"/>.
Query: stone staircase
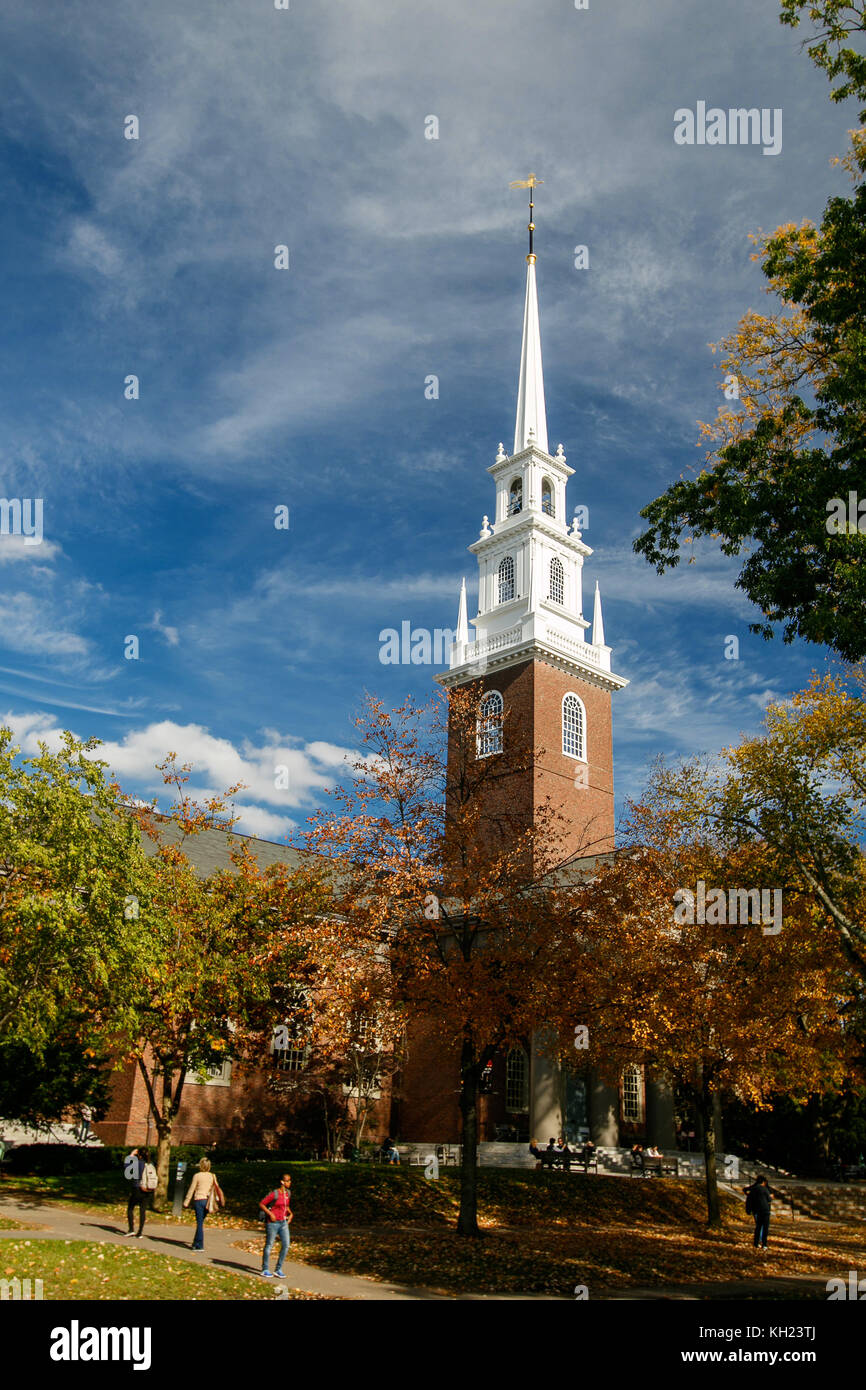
<point x="831" y="1201"/>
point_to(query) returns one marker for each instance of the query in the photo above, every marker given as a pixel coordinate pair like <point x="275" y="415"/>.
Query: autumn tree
<point x="443" y="863"/>
<point x="222" y="946"/>
<point x="799" y="790"/>
<point x="786" y="456"/>
<point x="702" y="979"/>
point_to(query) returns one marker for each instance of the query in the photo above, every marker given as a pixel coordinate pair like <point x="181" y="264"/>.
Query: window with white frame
<point x="220" y="1074"/>
<point x="632" y="1094"/>
<point x="557" y="580"/>
<point x="515" y="497"/>
<point x="506" y="579"/>
<point x="547" y="497"/>
<point x="365" y="1030"/>
<point x="293" y="1057"/>
<point x="490" y="724"/>
<point x="517" y="1080"/>
<point x="573" y="727"/>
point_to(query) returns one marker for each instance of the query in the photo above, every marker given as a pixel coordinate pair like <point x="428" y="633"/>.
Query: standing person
<point x="85" y="1115"/>
<point x="143" y="1183"/>
<point x="206" y="1195"/>
<point x="278" y="1214"/>
<point x="758" y="1201"/>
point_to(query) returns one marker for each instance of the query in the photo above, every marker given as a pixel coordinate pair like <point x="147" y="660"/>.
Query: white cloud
<point x="265" y="825"/>
<point x="169" y="633"/>
<point x="15" y="548"/>
<point x="217" y="764"/>
<point x="29" y="625"/>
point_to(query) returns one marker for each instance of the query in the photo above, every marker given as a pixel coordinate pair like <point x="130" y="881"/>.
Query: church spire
<point x="531" y="423"/>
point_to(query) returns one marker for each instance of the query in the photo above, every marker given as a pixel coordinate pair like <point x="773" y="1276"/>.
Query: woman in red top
<point x="278" y="1212"/>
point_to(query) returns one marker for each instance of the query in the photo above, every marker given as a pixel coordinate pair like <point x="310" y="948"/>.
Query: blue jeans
<point x="281" y="1229"/>
<point x="200" y="1213"/>
<point x="762" y="1229"/>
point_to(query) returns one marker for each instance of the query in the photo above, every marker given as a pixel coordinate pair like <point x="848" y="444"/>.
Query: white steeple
<point x="597" y="620"/>
<point x="531" y="423"/>
<point x="530" y="561"/>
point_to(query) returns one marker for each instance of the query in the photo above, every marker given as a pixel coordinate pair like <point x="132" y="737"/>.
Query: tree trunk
<point x="705" y="1109"/>
<point x="163" y="1120"/>
<point x="467" y="1221"/>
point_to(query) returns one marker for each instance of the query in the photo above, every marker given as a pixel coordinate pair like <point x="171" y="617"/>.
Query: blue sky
<point x="306" y="387"/>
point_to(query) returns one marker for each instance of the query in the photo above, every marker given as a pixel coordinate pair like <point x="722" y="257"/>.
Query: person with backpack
<point x="278" y="1214"/>
<point x="141" y="1175"/>
<point x="758" y="1201"/>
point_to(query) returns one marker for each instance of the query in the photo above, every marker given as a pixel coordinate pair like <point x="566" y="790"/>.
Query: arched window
<point x="517" y="1080"/>
<point x="573" y="727"/>
<point x="632" y="1094"/>
<point x="547" y="496"/>
<point x="506" y="579"/>
<point x="515" y="497"/>
<point x="490" y="724"/>
<point x="557" y="580"/>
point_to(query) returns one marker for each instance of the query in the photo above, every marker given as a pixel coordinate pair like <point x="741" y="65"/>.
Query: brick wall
<point x="245" y="1113"/>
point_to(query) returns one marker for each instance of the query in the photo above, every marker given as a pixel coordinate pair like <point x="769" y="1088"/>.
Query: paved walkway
<point x="171" y="1238"/>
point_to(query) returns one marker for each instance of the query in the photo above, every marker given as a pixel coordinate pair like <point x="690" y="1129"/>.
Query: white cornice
<point x="512" y="528"/>
<point x="532" y="650"/>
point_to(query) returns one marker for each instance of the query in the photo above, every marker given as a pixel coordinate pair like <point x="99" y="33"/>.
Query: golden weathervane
<point x="529" y="183"/>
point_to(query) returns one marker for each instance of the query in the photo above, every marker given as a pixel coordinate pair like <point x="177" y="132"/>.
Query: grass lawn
<point x="7" y="1224"/>
<point x="82" y="1269"/>
<point x="543" y="1232"/>
<point x="552" y="1260"/>
<point x="338" y="1194"/>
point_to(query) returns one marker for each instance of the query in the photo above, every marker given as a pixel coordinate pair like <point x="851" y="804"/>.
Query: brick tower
<point x="546" y="681"/>
<point x="531" y="652"/>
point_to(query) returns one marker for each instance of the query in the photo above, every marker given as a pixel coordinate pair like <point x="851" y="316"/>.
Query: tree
<point x="222" y="947"/>
<point x="440" y="860"/>
<point x="799" y="790"/>
<point x="70" y="863"/>
<point x="717" y="1005"/>
<point x="782" y="466"/>
<point x="836" y="21"/>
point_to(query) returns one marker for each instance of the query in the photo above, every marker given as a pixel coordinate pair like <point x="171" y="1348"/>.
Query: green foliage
<point x="835" y="22"/>
<point x="811" y="1139"/>
<point x="69" y="859"/>
<point x="767" y="492"/>
<point x="38" y="1088"/>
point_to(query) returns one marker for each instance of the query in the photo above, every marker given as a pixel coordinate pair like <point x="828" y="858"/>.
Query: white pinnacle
<point x="597" y="621"/>
<point x="462" y="634"/>
<point x="531" y="412"/>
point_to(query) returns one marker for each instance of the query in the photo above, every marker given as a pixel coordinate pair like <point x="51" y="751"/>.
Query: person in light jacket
<point x="204" y="1193"/>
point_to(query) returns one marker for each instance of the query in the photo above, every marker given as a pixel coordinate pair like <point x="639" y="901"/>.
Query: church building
<point x="539" y="660"/>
